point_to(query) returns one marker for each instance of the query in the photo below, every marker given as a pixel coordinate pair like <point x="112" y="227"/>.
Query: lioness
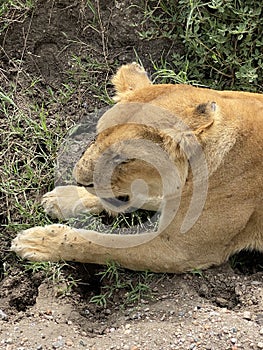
<point x="204" y="175"/>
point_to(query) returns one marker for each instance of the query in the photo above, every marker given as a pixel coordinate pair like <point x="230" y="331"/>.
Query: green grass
<point x="88" y="73"/>
<point x="62" y="281"/>
<point x="130" y="288"/>
<point x="219" y="42"/>
<point x="28" y="154"/>
<point x="133" y="223"/>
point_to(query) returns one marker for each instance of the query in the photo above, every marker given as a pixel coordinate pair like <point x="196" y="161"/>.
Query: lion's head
<point x="139" y="144"/>
<point x="123" y="154"/>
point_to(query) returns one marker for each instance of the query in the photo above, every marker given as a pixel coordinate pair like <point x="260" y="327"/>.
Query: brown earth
<point x="220" y="308"/>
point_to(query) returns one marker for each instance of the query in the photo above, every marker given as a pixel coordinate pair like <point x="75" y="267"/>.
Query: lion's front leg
<point x="60" y="242"/>
<point x="69" y="201"/>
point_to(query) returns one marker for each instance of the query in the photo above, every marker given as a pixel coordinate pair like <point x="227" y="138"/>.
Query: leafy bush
<point x="219" y="42"/>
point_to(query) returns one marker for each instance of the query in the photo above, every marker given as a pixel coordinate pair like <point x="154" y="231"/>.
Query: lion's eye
<point x="119" y="159"/>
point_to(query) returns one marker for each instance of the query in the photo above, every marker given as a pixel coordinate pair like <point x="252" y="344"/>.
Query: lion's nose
<point x="82" y="176"/>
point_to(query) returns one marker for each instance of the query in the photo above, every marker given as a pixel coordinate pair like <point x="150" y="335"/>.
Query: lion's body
<point x="228" y="126"/>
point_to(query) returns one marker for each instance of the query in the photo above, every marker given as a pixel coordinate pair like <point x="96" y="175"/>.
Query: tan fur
<point x="229" y="127"/>
<point x="129" y="78"/>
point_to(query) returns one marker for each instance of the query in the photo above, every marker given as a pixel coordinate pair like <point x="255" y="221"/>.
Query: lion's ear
<point x="129" y="78"/>
<point x="204" y="116"/>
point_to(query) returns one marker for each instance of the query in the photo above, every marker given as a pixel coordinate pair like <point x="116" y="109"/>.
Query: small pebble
<point x="260" y="345"/>
<point x="59" y="343"/>
<point x="3" y="316"/>
<point x="69" y="342"/>
<point x="24" y="340"/>
<point x="82" y="342"/>
<point x="221" y="301"/>
<point x="247" y="315"/>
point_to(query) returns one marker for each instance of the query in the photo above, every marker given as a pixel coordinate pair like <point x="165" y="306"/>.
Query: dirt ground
<point x="220" y="308"/>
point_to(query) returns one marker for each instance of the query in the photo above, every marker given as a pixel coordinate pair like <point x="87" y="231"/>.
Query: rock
<point x="69" y="342"/>
<point x="247" y="315"/>
<point x="203" y="291"/>
<point x="82" y="342"/>
<point x="3" y="316"/>
<point x="59" y="343"/>
<point x="260" y="345"/>
<point x="221" y="301"/>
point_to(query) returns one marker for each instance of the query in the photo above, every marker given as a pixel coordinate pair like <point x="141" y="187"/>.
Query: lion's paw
<point x="40" y="243"/>
<point x="64" y="202"/>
